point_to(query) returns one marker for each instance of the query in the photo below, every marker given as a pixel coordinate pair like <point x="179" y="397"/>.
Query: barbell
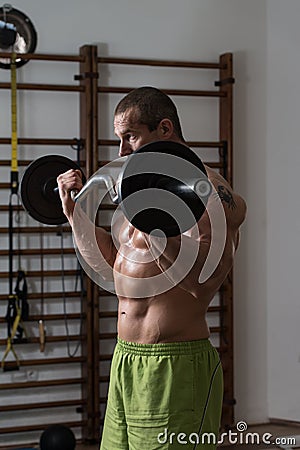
<point x="162" y="188"/>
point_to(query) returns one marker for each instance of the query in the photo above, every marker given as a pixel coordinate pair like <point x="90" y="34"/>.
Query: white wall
<point x="283" y="211"/>
<point x="197" y="30"/>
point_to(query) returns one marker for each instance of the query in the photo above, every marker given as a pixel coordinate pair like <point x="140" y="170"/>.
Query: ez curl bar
<point x="162" y="186"/>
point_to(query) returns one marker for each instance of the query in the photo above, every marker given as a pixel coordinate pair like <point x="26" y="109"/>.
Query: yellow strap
<point x="16" y="322"/>
<point x="9" y="347"/>
<point x="14" y="136"/>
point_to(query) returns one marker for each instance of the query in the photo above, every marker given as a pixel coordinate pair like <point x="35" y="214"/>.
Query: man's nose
<point x="124" y="148"/>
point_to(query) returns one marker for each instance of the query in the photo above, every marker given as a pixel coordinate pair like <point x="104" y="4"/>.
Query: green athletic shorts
<point x="163" y="396"/>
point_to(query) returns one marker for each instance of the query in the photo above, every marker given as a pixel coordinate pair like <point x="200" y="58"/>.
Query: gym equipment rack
<point x="94" y="359"/>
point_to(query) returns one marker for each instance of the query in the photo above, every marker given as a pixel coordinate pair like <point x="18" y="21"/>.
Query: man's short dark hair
<point x="152" y="105"/>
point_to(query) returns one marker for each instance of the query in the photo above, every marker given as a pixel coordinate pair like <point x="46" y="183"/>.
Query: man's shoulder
<point x="234" y="205"/>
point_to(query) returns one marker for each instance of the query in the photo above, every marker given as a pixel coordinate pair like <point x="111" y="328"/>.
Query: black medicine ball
<point x="57" y="437"/>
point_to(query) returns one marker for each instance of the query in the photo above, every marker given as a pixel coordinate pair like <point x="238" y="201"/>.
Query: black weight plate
<point x="37" y="188"/>
<point x="140" y="173"/>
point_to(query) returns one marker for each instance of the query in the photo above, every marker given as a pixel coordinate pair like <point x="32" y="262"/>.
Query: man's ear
<point x="165" y="129"/>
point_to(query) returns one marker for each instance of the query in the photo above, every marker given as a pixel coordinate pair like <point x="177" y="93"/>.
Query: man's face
<point x="131" y="133"/>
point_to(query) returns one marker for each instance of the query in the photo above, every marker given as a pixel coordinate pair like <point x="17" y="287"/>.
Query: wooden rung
<point x="37" y="141"/>
<point x="103" y="293"/>
<point x="48" y="361"/>
<point x="70" y="316"/>
<point x="104" y="379"/>
<point x="183" y="92"/>
<point x="108" y="314"/>
<point x="45" y="273"/>
<point x="5" y="208"/>
<point x="26" y="428"/>
<point x="107" y="335"/>
<point x="214" y="165"/>
<point x="45" y="57"/>
<point x="198" y="144"/>
<point x="217" y="330"/>
<point x="50" y="317"/>
<point x="43" y="383"/>
<point x="37" y="230"/>
<point x="44" y="87"/>
<point x="214" y="309"/>
<point x="159" y="63"/>
<point x="38" y="251"/>
<point x="4" y="185"/>
<point x="48" y="295"/>
<point x="105" y="357"/>
<point x="36" y="340"/>
<point x="29" y="406"/>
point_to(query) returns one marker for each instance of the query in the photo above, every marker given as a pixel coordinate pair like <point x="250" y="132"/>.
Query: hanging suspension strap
<point x="12" y="318"/>
<point x="17" y="309"/>
<point x="13" y="314"/>
<point x="22" y="306"/>
<point x="17" y="312"/>
<point x="14" y="182"/>
<point x="42" y="332"/>
<point x="14" y="135"/>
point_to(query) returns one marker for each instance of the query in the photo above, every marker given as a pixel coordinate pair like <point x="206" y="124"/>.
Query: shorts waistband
<point x="164" y="349"/>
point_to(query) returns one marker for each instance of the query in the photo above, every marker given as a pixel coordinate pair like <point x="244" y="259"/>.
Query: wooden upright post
<point x="95" y="159"/>
<point x="86" y="134"/>
<point x="225" y="84"/>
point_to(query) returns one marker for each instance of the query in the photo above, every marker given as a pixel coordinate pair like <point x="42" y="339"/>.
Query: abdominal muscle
<point x="164" y="318"/>
<point x="170" y="316"/>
